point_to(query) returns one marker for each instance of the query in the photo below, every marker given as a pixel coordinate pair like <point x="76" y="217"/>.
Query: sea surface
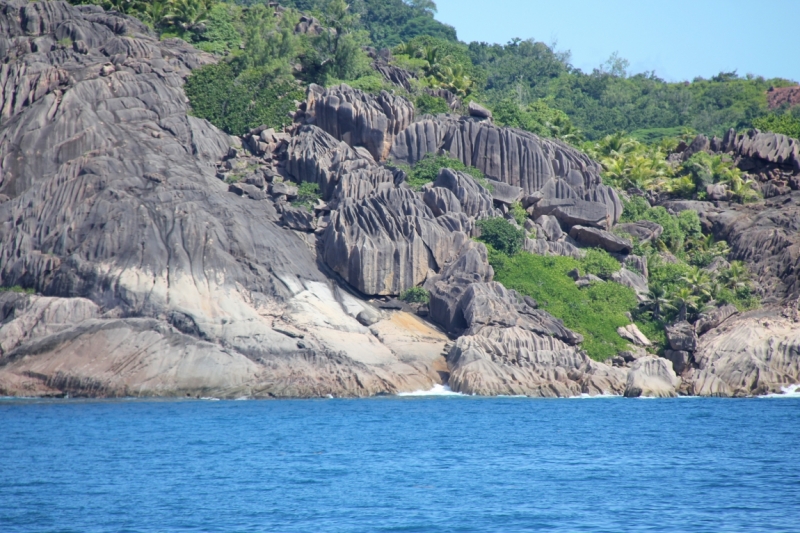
<point x="417" y="463"/>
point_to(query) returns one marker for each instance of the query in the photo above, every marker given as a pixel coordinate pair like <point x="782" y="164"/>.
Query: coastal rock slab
<point x="652" y="377"/>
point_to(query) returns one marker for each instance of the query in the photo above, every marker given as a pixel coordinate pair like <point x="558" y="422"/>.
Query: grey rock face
<point x="600" y="238"/>
<point x="474" y="199"/>
<point x="510" y="156"/>
<point x="574" y="212"/>
<point x="545" y="247"/>
<point x="550" y="226"/>
<point x="643" y="230"/>
<point x="388" y="242"/>
<point x="478" y="111"/>
<point x="114" y="210"/>
<point x="752" y="354"/>
<point x="681" y="336"/>
<point x="653" y="377"/>
<point x="361" y="119"/>
<point x="714" y="318"/>
<point x="631" y="279"/>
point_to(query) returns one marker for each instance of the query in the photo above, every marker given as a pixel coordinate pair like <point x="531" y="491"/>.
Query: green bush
<point x="307" y="195"/>
<point x="431" y="105"/>
<point x="785" y="124"/>
<point x="415" y="295"/>
<point x="519" y="213"/>
<point x="501" y="234"/>
<point x="427" y="168"/>
<point x="595" y="311"/>
<point x="599" y="263"/>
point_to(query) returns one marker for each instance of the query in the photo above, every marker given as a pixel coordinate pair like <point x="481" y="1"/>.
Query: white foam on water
<point x="437" y="390"/>
<point x="209" y="399"/>
<point x="241" y="399"/>
<point x="585" y="396"/>
<point x="792" y="391"/>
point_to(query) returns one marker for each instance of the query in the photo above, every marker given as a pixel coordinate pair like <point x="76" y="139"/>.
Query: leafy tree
<point x="432" y="105"/>
<point x="501" y="235"/>
<point x="415" y="295"/>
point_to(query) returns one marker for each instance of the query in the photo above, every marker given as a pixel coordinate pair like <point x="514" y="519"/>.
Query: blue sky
<point x="679" y="39"/>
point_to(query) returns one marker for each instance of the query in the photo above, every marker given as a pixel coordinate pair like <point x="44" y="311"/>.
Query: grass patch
<point x="17" y="288"/>
<point x="595" y="311"/>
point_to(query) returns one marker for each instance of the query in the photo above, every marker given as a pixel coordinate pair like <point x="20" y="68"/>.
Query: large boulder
<point x="682" y="336"/>
<point x="474" y="199"/>
<point x="652" y="377"/>
<point x="600" y="238"/>
<point x="753" y="353"/>
<point x="644" y="231"/>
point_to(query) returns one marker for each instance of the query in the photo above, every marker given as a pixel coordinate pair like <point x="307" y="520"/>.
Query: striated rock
<point x="317" y="157"/>
<point x="681" y="336"/>
<point x="298" y="219"/>
<point x="388" y="242"/>
<point x="509" y="156"/>
<point x="474" y="199"/>
<point x="215" y="297"/>
<point x="706" y="384"/>
<point x="516" y="361"/>
<point x="544" y="247"/>
<point x="550" y="226"/>
<point x="572" y="212"/>
<point x="714" y="318"/>
<point x="653" y="377"/>
<point x="767" y="238"/>
<point x="631" y="279"/>
<point x="504" y="193"/>
<point x="753" y="353"/>
<point x="361" y="119"/>
<point x="600" y="238"/>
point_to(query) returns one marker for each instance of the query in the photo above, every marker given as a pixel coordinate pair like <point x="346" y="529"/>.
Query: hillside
<point x="229" y="218"/>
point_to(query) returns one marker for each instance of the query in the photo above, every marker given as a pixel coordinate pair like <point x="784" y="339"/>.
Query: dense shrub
<point x="415" y="295"/>
<point x="501" y="235"/>
<point x="599" y="263"/>
<point x="595" y="311"/>
<point x="237" y="104"/>
<point x="307" y="195"/>
<point x="787" y="124"/>
<point x="432" y="105"/>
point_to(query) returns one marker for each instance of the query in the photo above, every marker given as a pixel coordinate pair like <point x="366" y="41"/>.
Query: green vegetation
<point x="599" y="263"/>
<point x="431" y="105"/>
<point x="537" y="117"/>
<point x="427" y="168"/>
<point x="519" y="213"/>
<point x="416" y="295"/>
<point x="17" y="288"/>
<point x="501" y="235"/>
<point x="630" y="164"/>
<point x="307" y="195"/>
<point x="595" y="311"/>
<point x="787" y="124"/>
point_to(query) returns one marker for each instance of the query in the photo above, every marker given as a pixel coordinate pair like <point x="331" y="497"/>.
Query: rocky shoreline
<point x="169" y="259"/>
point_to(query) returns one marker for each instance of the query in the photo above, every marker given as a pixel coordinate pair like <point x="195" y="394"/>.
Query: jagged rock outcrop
<point x="474" y="199"/>
<point x="509" y="156"/>
<point x="360" y="119"/>
<point x="643" y="230"/>
<point x="388" y="242"/>
<point x="170" y="283"/>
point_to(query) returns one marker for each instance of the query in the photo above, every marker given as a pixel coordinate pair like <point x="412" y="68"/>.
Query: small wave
<point x="792" y="391"/>
<point x="437" y="390"/>
<point x="209" y="398"/>
<point x="585" y="396"/>
<point x="241" y="398"/>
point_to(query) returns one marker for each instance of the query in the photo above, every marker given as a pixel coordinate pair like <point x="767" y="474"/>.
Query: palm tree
<point x="736" y="276"/>
<point x="698" y="281"/>
<point x="657" y="301"/>
<point x="684" y="299"/>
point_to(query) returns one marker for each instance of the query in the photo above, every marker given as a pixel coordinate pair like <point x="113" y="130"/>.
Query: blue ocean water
<point x="413" y="464"/>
